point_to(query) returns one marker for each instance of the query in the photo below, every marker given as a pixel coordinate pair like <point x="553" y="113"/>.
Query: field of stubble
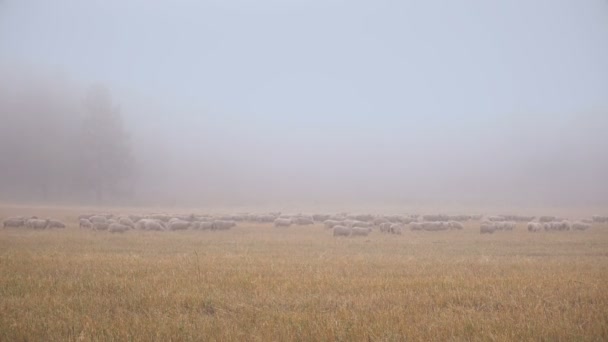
<point x="260" y="283"/>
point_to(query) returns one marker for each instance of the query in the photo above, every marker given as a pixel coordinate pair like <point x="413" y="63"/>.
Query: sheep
<point x="36" y="223"/>
<point x="545" y="219"/>
<point x="495" y="218"/>
<point x="85" y="223"/>
<point x="580" y="226"/>
<point x="320" y="217"/>
<point x="435" y="226"/>
<point x="14" y="222"/>
<point x="395" y="228"/>
<point x="487" y="228"/>
<point x="177" y="224"/>
<point x="505" y="225"/>
<point x="55" y="224"/>
<point x="360" y="231"/>
<point x="385" y="227"/>
<point x="135" y="218"/>
<point x="101" y="225"/>
<point x="408" y="220"/>
<point x="364" y="217"/>
<point x="557" y="225"/>
<point x="160" y="217"/>
<point x="331" y="223"/>
<point x="206" y="226"/>
<point x="150" y="224"/>
<point x="85" y="216"/>
<point x="518" y="218"/>
<point x="223" y="224"/>
<point x="361" y="224"/>
<point x="341" y="230"/>
<point x="265" y="218"/>
<point x="118" y="228"/>
<point x="455" y="225"/>
<point x="415" y="226"/>
<point x="435" y="218"/>
<point x="282" y="222"/>
<point x="379" y="220"/>
<point x="534" y="227"/>
<point x="126" y="221"/>
<point x="98" y="219"/>
<point x="599" y="219"/>
<point x="303" y="220"/>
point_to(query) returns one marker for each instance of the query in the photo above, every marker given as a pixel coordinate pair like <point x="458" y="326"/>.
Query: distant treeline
<point x="57" y="143"/>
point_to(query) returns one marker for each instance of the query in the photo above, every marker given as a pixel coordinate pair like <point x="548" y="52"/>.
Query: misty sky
<point x="313" y="100"/>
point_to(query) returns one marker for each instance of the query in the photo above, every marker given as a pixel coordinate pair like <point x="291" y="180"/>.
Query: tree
<point x="107" y="157"/>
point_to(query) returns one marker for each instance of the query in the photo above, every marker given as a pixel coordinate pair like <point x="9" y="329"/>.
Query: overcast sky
<point x="354" y="100"/>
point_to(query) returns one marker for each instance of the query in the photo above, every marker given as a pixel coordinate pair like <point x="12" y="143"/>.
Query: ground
<point x="260" y="283"/>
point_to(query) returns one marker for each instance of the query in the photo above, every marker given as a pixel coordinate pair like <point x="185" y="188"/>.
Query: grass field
<point x="260" y="283"/>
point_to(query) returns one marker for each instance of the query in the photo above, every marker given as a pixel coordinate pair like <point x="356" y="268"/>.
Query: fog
<point x="243" y="103"/>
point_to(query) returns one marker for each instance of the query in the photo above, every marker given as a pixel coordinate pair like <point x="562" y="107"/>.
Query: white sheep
<point x="341" y="231"/>
<point x="282" y="222"/>
<point x="14" y="222"/>
<point x="118" y="228"/>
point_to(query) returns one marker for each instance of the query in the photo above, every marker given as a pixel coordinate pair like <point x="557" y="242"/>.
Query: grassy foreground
<point x="260" y="283"/>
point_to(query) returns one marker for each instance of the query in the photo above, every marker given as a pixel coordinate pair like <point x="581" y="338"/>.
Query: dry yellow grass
<point x="260" y="283"/>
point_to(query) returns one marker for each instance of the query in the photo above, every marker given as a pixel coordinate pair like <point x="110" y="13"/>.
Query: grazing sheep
<point x="223" y="224"/>
<point x="534" y="227"/>
<point x="150" y="224"/>
<point x="160" y="217"/>
<point x="320" y="217"/>
<point x="37" y="223"/>
<point x="265" y="218"/>
<point x="341" y="231"/>
<point x="435" y="226"/>
<point x="360" y="231"/>
<point x="361" y="224"/>
<point x="518" y="218"/>
<point x="101" y="225"/>
<point x="14" y="222"/>
<point x="282" y="222"/>
<point x="135" y="218"/>
<point x="118" y="228"/>
<point x="177" y="224"/>
<point x="55" y="224"/>
<point x="599" y="219"/>
<point x="303" y="220"/>
<point x="455" y="225"/>
<point x="379" y="220"/>
<point x="205" y="226"/>
<point x="416" y="226"/>
<point x="98" y="219"/>
<point x="557" y="225"/>
<point x="126" y="221"/>
<point x="435" y="218"/>
<point x="331" y="223"/>
<point x="580" y="226"/>
<point x="385" y="227"/>
<point x="395" y="228"/>
<point x="85" y="223"/>
<point x="364" y="217"/>
<point x="495" y="218"/>
<point x="505" y="225"/>
<point x="545" y="219"/>
<point x="487" y="228"/>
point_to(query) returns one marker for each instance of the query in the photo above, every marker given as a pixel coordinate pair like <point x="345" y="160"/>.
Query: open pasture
<point x="256" y="282"/>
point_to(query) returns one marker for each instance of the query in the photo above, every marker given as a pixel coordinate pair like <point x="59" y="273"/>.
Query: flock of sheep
<point x="340" y="224"/>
